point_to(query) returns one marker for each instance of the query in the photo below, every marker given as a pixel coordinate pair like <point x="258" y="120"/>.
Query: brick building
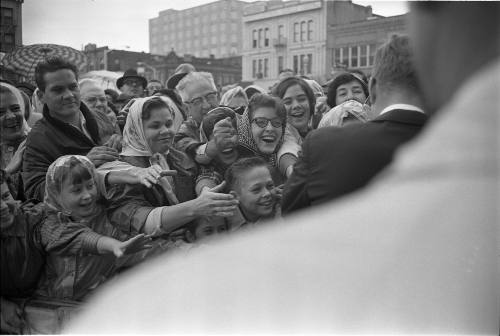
<point x="353" y="45"/>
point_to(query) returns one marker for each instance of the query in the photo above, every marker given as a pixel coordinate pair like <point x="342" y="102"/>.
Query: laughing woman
<point x="299" y="101"/>
<point x="13" y="132"/>
<point x="164" y="208"/>
<point x="260" y="131"/>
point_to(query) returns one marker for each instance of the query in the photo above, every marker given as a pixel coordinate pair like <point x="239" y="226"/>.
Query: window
<point x="260" y="67"/>
<point x="354" y="56"/>
<point x="372" y="49"/>
<point x="345" y="56"/>
<point x="260" y="38"/>
<point x="254" y="68"/>
<point x="336" y="57"/>
<point x="303" y="31"/>
<point x="281" y="31"/>
<point x="254" y="39"/>
<point x="7" y="15"/>
<point x="266" y="67"/>
<point x="295" y="32"/>
<point x="309" y="30"/>
<point x="266" y="37"/>
<point x="309" y="63"/>
<point x="8" y="38"/>
<point x="280" y="64"/>
<point x="296" y="64"/>
<point x="363" y="55"/>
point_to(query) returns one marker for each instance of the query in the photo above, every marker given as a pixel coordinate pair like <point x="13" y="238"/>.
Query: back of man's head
<point x="393" y="67"/>
<point x="52" y="64"/>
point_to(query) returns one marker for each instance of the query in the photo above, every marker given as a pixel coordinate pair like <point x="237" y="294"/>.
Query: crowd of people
<point x="95" y="182"/>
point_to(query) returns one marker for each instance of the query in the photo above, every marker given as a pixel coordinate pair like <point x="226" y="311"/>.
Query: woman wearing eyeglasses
<point x="261" y="129"/>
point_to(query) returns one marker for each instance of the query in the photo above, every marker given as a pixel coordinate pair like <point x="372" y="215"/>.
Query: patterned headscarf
<point x="245" y="139"/>
<point x="335" y="117"/>
<point x="54" y="180"/>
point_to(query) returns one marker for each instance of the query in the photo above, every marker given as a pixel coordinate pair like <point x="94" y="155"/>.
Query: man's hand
<point x="102" y="154"/>
<point x="213" y="203"/>
<point x="151" y="175"/>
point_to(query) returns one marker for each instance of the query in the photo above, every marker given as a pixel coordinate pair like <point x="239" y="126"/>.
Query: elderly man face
<point x="94" y="97"/>
<point x="200" y="97"/>
<point x="133" y="87"/>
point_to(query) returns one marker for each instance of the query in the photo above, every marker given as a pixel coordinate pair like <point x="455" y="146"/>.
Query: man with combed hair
<point x="199" y="93"/>
<point x="414" y="253"/>
<point x="338" y="160"/>
<point x="67" y="127"/>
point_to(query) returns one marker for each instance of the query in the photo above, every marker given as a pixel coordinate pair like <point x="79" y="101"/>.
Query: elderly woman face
<point x="297" y="107"/>
<point x="266" y="129"/>
<point x="159" y="129"/>
<point x="352" y="90"/>
<point x="11" y="116"/>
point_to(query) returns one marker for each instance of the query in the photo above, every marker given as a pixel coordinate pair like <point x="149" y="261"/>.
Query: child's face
<point x="254" y="191"/>
<point x="79" y="199"/>
<point x="208" y="228"/>
<point x="8" y="206"/>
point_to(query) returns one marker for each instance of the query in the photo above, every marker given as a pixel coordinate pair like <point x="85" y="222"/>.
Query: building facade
<point x="292" y="35"/>
<point x="11" y="34"/>
<point x="211" y="29"/>
<point x="226" y="70"/>
<point x="353" y="45"/>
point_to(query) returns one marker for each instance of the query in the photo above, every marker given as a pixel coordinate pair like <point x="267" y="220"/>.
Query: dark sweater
<point x="49" y="139"/>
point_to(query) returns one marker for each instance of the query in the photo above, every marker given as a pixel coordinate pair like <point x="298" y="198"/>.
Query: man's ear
<point x="372" y="90"/>
<point x="40" y="95"/>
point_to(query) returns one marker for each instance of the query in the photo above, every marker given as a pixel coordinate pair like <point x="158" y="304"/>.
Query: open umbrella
<point x="23" y="60"/>
<point x="106" y="79"/>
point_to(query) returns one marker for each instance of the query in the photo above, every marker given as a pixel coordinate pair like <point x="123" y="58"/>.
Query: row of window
<point x="302" y="64"/>
<point x="358" y="56"/>
<point x="302" y="31"/>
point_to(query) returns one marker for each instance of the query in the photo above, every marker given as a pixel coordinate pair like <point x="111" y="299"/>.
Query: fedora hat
<point x="180" y="72"/>
<point x="131" y="73"/>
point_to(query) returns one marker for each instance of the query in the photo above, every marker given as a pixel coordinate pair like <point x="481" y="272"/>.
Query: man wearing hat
<point x="132" y="84"/>
<point x="180" y="72"/>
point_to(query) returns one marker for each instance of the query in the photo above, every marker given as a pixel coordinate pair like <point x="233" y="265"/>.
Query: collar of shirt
<point x="401" y="107"/>
<point x="83" y="126"/>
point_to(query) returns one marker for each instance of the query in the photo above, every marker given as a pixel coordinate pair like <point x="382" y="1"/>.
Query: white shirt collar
<point x="401" y="107"/>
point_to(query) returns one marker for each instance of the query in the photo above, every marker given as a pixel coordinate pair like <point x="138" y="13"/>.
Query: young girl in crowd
<point x="261" y="129"/>
<point x="80" y="242"/>
<point x="299" y="101"/>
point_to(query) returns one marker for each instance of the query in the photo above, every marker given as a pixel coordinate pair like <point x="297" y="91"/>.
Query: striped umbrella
<point x="23" y="60"/>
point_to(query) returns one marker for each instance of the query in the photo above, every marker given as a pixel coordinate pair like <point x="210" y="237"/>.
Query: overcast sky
<point x="119" y="24"/>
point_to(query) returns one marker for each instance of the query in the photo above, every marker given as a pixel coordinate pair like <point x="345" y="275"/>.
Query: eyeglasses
<point x="263" y="122"/>
<point x="210" y="98"/>
<point x="94" y="100"/>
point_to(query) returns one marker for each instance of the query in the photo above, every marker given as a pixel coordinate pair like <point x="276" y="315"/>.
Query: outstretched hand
<point x="151" y="175"/>
<point x="133" y="245"/>
<point x="212" y="202"/>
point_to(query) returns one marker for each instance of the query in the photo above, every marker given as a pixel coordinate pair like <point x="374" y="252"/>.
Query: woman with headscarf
<point x="235" y="98"/>
<point x="163" y="209"/>
<point x="260" y="131"/>
<point x="13" y="132"/>
<point x="80" y="243"/>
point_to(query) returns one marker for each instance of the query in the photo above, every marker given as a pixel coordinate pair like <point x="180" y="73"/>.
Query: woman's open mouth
<point x="268" y="138"/>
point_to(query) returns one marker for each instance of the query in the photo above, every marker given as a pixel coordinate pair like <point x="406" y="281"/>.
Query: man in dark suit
<point x="336" y="161"/>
